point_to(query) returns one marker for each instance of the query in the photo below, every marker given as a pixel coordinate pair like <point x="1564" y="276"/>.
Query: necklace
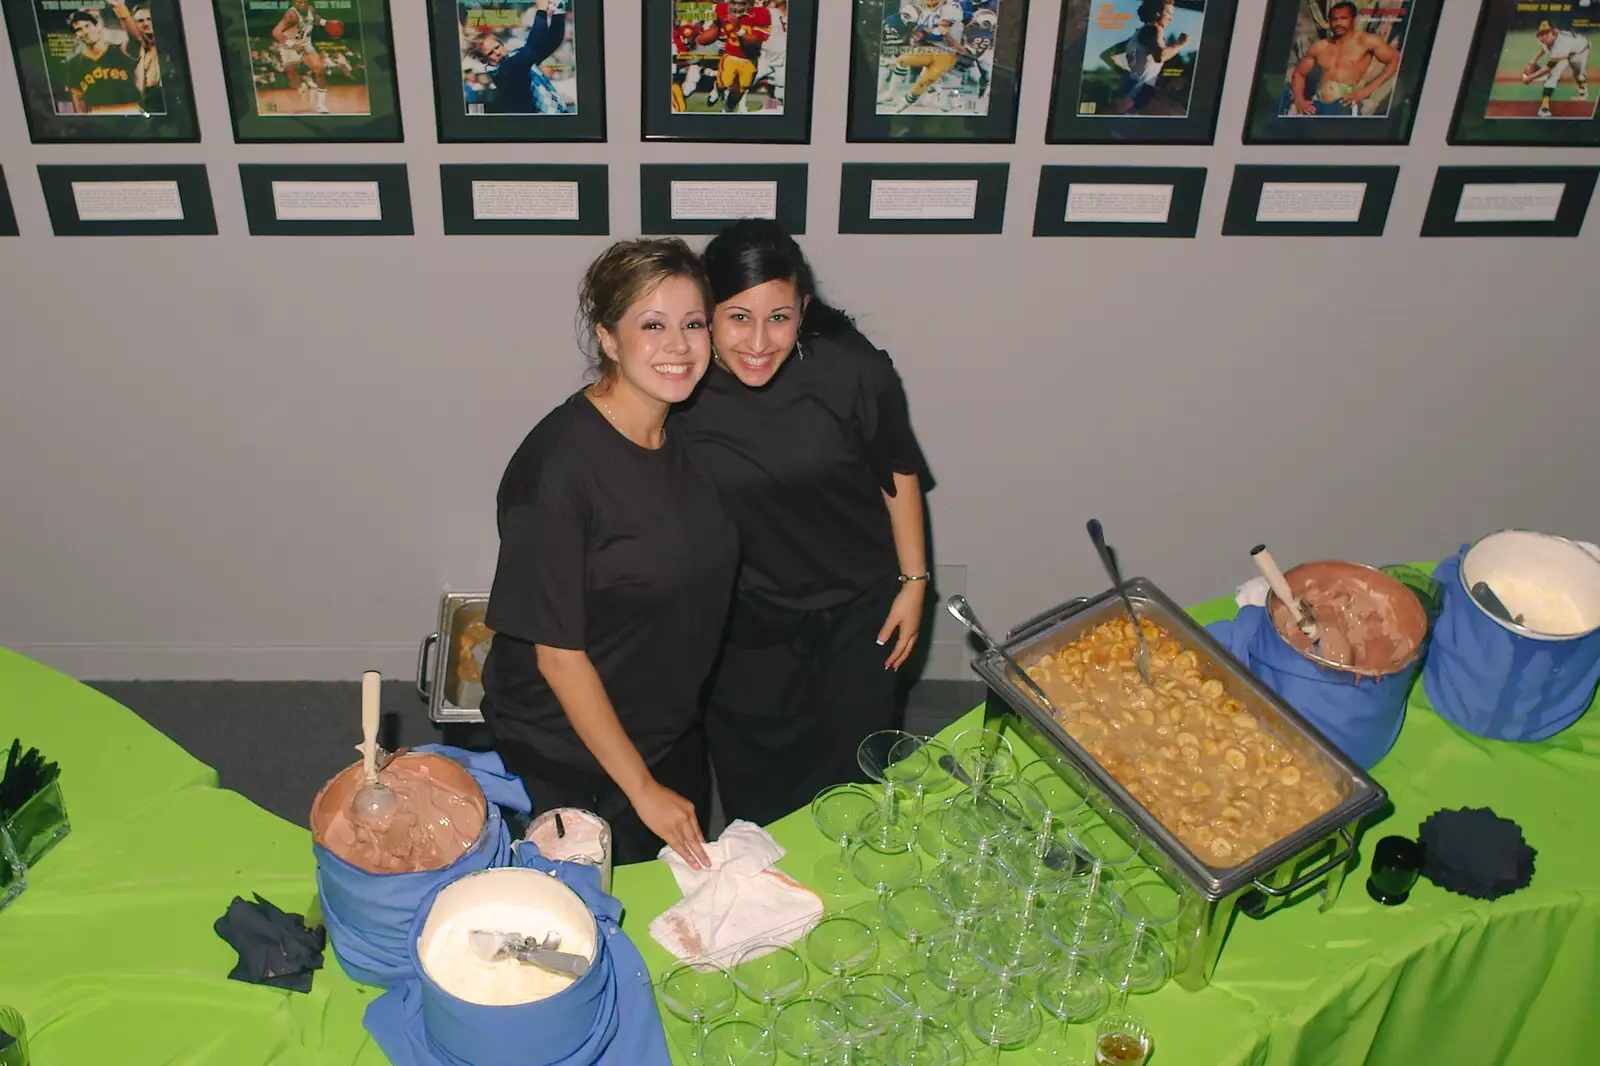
<point x="610" y="414"/>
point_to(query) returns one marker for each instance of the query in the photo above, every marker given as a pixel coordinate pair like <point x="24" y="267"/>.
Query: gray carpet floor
<point x="278" y="742"/>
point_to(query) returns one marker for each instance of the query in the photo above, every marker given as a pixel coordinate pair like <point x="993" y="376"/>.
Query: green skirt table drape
<point x="111" y="957"/>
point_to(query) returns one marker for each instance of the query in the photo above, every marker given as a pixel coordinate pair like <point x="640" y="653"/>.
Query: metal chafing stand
<point x="1286" y="871"/>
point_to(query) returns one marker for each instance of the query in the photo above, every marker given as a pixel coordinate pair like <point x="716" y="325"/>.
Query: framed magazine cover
<point x="1340" y="71"/>
<point x="1527" y="76"/>
<point x="309" y="70"/>
<point x="102" y="70"/>
<point x="925" y="71"/>
<point x="8" y="217"/>
<point x="518" y="70"/>
<point x="1139" y="71"/>
<point x="731" y="71"/>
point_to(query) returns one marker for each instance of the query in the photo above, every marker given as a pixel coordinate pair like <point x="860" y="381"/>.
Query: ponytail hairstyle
<point x="753" y="252"/>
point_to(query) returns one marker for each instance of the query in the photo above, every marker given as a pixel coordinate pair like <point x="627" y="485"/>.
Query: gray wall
<point x="264" y="458"/>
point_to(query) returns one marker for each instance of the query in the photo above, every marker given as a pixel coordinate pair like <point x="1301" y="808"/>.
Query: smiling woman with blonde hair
<point x="616" y="565"/>
<point x="802" y="423"/>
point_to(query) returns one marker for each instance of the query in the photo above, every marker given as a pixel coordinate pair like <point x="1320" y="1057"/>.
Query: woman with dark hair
<point x="802" y="423"/>
<point x="616" y="563"/>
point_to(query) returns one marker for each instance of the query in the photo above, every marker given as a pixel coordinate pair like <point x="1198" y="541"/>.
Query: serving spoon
<point x="1097" y="533"/>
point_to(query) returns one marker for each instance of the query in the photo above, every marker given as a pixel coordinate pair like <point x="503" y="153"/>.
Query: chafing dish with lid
<point x="1310" y="858"/>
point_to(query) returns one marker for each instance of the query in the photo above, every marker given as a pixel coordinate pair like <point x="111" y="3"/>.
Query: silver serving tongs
<point x="493" y="945"/>
<point x="962" y="612"/>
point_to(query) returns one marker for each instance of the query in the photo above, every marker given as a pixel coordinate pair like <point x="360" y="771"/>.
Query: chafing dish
<point x="450" y="659"/>
<point x="1311" y="859"/>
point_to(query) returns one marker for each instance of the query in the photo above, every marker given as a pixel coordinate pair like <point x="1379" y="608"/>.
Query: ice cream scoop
<point x="374" y="804"/>
<point x="492" y="945"/>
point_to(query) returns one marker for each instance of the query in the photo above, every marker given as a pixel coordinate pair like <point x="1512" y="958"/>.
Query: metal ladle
<point x="1097" y="534"/>
<point x="374" y="803"/>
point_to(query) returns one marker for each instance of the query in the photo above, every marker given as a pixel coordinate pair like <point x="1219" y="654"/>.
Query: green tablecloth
<point x="111" y="957"/>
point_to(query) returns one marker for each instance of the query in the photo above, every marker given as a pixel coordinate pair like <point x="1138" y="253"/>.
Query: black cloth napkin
<point x="1475" y="852"/>
<point x="274" y="948"/>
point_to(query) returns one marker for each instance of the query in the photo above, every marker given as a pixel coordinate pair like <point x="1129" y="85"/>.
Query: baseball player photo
<point x="307" y="58"/>
<point x="98" y="58"/>
<point x="1543" y="70"/>
<point x="1139" y="58"/>
<point x="517" y="57"/>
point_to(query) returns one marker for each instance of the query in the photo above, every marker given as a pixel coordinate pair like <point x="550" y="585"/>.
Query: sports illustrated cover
<point x="729" y="57"/>
<point x="1344" y="59"/>
<point x="1139" y="58"/>
<point x="517" y="57"/>
<point x="100" y="58"/>
<point x="306" y="57"/>
<point x="937" y="56"/>
<point x="1543" y="70"/>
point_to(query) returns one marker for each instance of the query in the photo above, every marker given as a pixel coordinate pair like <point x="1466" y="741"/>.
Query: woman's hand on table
<point x="672" y="818"/>
<point x="904" y="623"/>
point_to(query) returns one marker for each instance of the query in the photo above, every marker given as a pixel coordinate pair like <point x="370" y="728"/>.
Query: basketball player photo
<point x="306" y="58"/>
<point x="518" y="57"/>
<point x="729" y="57"/>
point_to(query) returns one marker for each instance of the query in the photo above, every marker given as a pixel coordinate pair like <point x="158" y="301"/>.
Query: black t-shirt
<point x="624" y="552"/>
<point x="804" y="462"/>
<point x="104" y="82"/>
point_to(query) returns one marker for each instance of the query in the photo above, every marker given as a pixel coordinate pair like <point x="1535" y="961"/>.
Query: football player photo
<point x="1139" y="58"/>
<point x="729" y="57"/>
<point x="1343" y="61"/>
<point x="518" y="58"/>
<point x="937" y="56"/>
<point x="1543" y="70"/>
<point x="306" y="58"/>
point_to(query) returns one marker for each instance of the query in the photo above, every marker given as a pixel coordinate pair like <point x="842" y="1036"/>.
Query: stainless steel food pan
<point x="1317" y="854"/>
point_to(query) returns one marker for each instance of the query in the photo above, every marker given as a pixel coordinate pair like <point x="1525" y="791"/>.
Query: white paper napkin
<point x="743" y="899"/>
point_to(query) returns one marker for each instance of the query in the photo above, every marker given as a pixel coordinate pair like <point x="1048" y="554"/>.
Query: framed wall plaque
<point x="702" y="198"/>
<point x="8" y="216"/>
<point x="518" y="70"/>
<point x="1139" y="71"/>
<point x="945" y="198"/>
<point x="936" y="70"/>
<point x="1291" y="201"/>
<point x="1119" y="201"/>
<point x="326" y="199"/>
<point x="1340" y="71"/>
<point x="309" y="70"/>
<point x="518" y="198"/>
<point x="1509" y="201"/>
<point x="729" y="71"/>
<point x="146" y="200"/>
<point x="1527" y="77"/>
<point x="102" y="70"/>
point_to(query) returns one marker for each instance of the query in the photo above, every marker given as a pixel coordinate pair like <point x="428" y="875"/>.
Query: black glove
<point x="274" y="948"/>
